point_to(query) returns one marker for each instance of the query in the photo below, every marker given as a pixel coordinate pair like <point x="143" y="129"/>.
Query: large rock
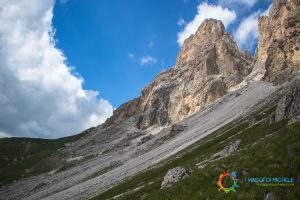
<point x="228" y="150"/>
<point x="208" y="64"/>
<point x="225" y="152"/>
<point x="174" y="175"/>
<point x="277" y="57"/>
<point x="270" y="196"/>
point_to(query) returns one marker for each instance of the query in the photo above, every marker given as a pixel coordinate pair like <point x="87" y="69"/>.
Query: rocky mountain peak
<point x="218" y="49"/>
<point x="208" y="64"/>
<point x="277" y="56"/>
<point x="210" y="30"/>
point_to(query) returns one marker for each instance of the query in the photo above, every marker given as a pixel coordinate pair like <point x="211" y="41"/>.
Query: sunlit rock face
<point x="208" y="64"/>
<point x="278" y="55"/>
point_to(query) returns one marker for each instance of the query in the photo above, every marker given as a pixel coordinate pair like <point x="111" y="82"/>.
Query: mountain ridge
<point x="208" y="64"/>
<point x="183" y="105"/>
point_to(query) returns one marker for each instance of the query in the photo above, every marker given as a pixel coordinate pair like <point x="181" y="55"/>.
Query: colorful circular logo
<point x="232" y="176"/>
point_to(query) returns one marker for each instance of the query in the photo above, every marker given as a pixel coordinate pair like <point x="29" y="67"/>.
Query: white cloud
<point x="181" y="22"/>
<point x="40" y="96"/>
<point x="206" y="11"/>
<point x="247" y="32"/>
<point x="266" y="12"/>
<point x="247" y="3"/>
<point x="4" y="135"/>
<point x="147" y="60"/>
<point x="131" y="55"/>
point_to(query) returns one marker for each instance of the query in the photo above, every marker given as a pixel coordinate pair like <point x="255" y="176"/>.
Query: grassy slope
<point x="276" y="153"/>
<point x="34" y="152"/>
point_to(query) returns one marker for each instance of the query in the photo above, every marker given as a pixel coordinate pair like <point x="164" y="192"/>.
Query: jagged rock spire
<point x="208" y="64"/>
<point x="278" y="53"/>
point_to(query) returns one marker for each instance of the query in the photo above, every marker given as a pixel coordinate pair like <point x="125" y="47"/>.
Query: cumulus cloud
<point x="147" y="60"/>
<point x="40" y="95"/>
<point x="206" y="11"/>
<point x="247" y="32"/>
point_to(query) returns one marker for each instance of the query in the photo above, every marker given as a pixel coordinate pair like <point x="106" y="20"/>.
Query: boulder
<point x="270" y="196"/>
<point x="228" y="150"/>
<point x="174" y="175"/>
<point x="177" y="128"/>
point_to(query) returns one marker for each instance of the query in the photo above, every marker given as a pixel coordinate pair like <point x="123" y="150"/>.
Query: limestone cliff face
<point x="278" y="57"/>
<point x="208" y="64"/>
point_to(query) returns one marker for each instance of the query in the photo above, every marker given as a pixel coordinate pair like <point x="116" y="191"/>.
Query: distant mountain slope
<point x="24" y="157"/>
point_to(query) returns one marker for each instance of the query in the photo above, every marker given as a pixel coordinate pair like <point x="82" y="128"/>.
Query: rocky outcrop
<point x="289" y="105"/>
<point x="125" y="111"/>
<point x="277" y="57"/>
<point x="208" y="64"/>
<point x="228" y="150"/>
<point x="270" y="196"/>
<point x="225" y="152"/>
<point x="174" y="175"/>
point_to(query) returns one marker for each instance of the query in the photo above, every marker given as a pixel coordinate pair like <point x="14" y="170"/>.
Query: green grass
<point x="277" y="153"/>
<point x="265" y="113"/>
<point x="34" y="152"/>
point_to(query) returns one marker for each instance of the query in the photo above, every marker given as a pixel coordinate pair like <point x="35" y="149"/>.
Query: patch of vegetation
<point x="265" y="150"/>
<point x="274" y="156"/>
<point x="265" y="113"/>
<point x="25" y="157"/>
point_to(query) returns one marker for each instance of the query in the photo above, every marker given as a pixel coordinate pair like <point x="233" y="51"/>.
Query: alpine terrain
<point x="217" y="110"/>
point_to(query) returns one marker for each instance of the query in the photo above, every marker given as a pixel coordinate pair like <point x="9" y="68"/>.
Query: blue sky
<point x="67" y="64"/>
<point x="98" y="36"/>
